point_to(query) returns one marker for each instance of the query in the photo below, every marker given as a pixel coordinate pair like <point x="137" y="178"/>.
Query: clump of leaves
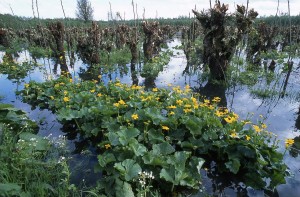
<point x="166" y="132"/>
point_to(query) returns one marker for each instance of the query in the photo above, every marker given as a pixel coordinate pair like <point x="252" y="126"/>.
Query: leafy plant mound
<point x="26" y="159"/>
<point x="166" y="133"/>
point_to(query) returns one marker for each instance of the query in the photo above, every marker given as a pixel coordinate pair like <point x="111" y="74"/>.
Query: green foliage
<point x="28" y="166"/>
<point x="152" y="68"/>
<point x="167" y="133"/>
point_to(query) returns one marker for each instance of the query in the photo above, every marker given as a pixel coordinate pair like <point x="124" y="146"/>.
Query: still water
<point x="280" y="113"/>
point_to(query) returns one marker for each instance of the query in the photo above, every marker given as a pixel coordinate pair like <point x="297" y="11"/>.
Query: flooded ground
<point x="279" y="112"/>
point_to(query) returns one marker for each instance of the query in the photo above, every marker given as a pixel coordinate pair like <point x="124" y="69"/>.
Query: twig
<point x="63" y="8"/>
<point x="11" y="10"/>
<point x="37" y="8"/>
<point x="32" y="3"/>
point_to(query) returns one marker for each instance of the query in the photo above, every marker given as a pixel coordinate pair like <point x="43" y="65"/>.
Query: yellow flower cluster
<point x="120" y="103"/>
<point x="135" y="87"/>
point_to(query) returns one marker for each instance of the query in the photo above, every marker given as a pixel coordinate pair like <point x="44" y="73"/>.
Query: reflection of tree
<point x="135" y="80"/>
<point x="290" y="67"/>
<point x="295" y="148"/>
<point x="90" y="73"/>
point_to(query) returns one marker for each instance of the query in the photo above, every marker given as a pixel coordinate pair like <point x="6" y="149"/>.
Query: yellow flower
<point x="248" y="137"/>
<point x="234" y="135"/>
<point x="135" y="87"/>
<point x="116" y="104"/>
<point x="171" y="113"/>
<point x="99" y="94"/>
<point x="187" y="110"/>
<point x="187" y="106"/>
<point x="179" y="102"/>
<point x="66" y="99"/>
<point x="263" y="126"/>
<point x="289" y="142"/>
<point x="121" y="102"/>
<point x="229" y="119"/>
<point x="99" y="76"/>
<point x="65" y="92"/>
<point x="52" y="97"/>
<point x="216" y="99"/>
<point x="135" y="116"/>
<point x="118" y="84"/>
<point x="206" y="101"/>
<point x="92" y="91"/>
<point x="70" y="80"/>
<point x="107" y="146"/>
<point x="210" y="107"/>
<point x="256" y="128"/>
<point x="165" y="128"/>
<point x="172" y="107"/>
<point x="154" y="89"/>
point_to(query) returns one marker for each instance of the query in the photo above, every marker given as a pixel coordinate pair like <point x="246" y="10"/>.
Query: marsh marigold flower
<point x="289" y="142"/>
<point x="66" y="99"/>
<point x="107" y="146"/>
<point x="256" y="128"/>
<point x="229" y="119"/>
<point x="216" y="99"/>
<point x="248" y="137"/>
<point x="135" y="116"/>
<point x="172" y="107"/>
<point x="234" y="135"/>
<point x="165" y="128"/>
<point x="121" y="102"/>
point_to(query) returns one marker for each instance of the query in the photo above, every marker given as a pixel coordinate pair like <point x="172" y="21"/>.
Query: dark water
<point x="280" y="113"/>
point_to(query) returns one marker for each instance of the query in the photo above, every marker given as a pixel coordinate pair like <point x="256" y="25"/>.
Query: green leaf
<point x="155" y="115"/>
<point x="138" y="149"/>
<point x="163" y="149"/>
<point x="123" y="189"/>
<point x="155" y="136"/>
<point x="152" y="159"/>
<point x="105" y="159"/>
<point x="194" y="125"/>
<point x="125" y="135"/>
<point x="113" y="138"/>
<point x="233" y="165"/>
<point x="128" y="168"/>
<point x="174" y="176"/>
<point x="248" y="152"/>
<point x="179" y="159"/>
